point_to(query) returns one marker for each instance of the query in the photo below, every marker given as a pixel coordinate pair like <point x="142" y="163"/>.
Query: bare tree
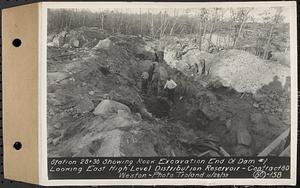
<point x="243" y="15"/>
<point x="276" y="20"/>
<point x="141" y="22"/>
<point x="152" y="25"/>
<point x="174" y="23"/>
<point x="202" y="26"/>
<point x="232" y="29"/>
<point x="102" y="20"/>
<point x="214" y="21"/>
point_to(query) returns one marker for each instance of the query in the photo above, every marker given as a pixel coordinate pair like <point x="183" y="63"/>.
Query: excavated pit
<point x="157" y="106"/>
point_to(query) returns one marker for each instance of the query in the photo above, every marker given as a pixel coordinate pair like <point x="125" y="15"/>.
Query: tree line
<point x="233" y="28"/>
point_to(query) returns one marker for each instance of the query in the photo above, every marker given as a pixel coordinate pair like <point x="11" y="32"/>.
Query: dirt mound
<point x="236" y="69"/>
<point x="245" y="72"/>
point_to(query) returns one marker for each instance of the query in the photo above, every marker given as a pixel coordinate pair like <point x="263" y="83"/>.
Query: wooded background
<point x="233" y="28"/>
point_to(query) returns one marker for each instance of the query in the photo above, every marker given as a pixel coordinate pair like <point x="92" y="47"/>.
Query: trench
<point x="188" y="112"/>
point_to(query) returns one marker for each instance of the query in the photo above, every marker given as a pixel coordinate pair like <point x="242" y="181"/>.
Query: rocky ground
<point x="95" y="106"/>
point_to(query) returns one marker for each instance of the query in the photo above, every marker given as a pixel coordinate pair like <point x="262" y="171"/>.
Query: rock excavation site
<point x="234" y="104"/>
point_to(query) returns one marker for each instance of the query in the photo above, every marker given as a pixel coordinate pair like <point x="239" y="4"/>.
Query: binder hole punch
<point x="17" y="145"/>
<point x="17" y="42"/>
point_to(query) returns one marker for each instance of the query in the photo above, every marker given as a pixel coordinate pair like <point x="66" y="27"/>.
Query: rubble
<point x="245" y="72"/>
<point x="108" y="106"/>
<point x="242" y="151"/>
<point x="108" y="116"/>
<point x="256" y="118"/>
<point x="274" y="121"/>
<point x="236" y="69"/>
<point x="85" y="105"/>
<point x="271" y="99"/>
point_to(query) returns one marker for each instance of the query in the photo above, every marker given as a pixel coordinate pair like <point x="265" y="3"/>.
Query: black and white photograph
<point x="170" y="91"/>
<point x="172" y="81"/>
<point x="150" y="93"/>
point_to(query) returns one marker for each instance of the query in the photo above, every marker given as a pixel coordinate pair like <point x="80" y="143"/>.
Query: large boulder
<point x="243" y="137"/>
<point x="108" y="140"/>
<point x="74" y="42"/>
<point x="59" y="39"/>
<point x="104" y="44"/>
<point x="106" y="107"/>
<point x="54" y="77"/>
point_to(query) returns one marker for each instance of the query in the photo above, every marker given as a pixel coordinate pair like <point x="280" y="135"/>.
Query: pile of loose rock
<point x="271" y="101"/>
<point x="245" y="72"/>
